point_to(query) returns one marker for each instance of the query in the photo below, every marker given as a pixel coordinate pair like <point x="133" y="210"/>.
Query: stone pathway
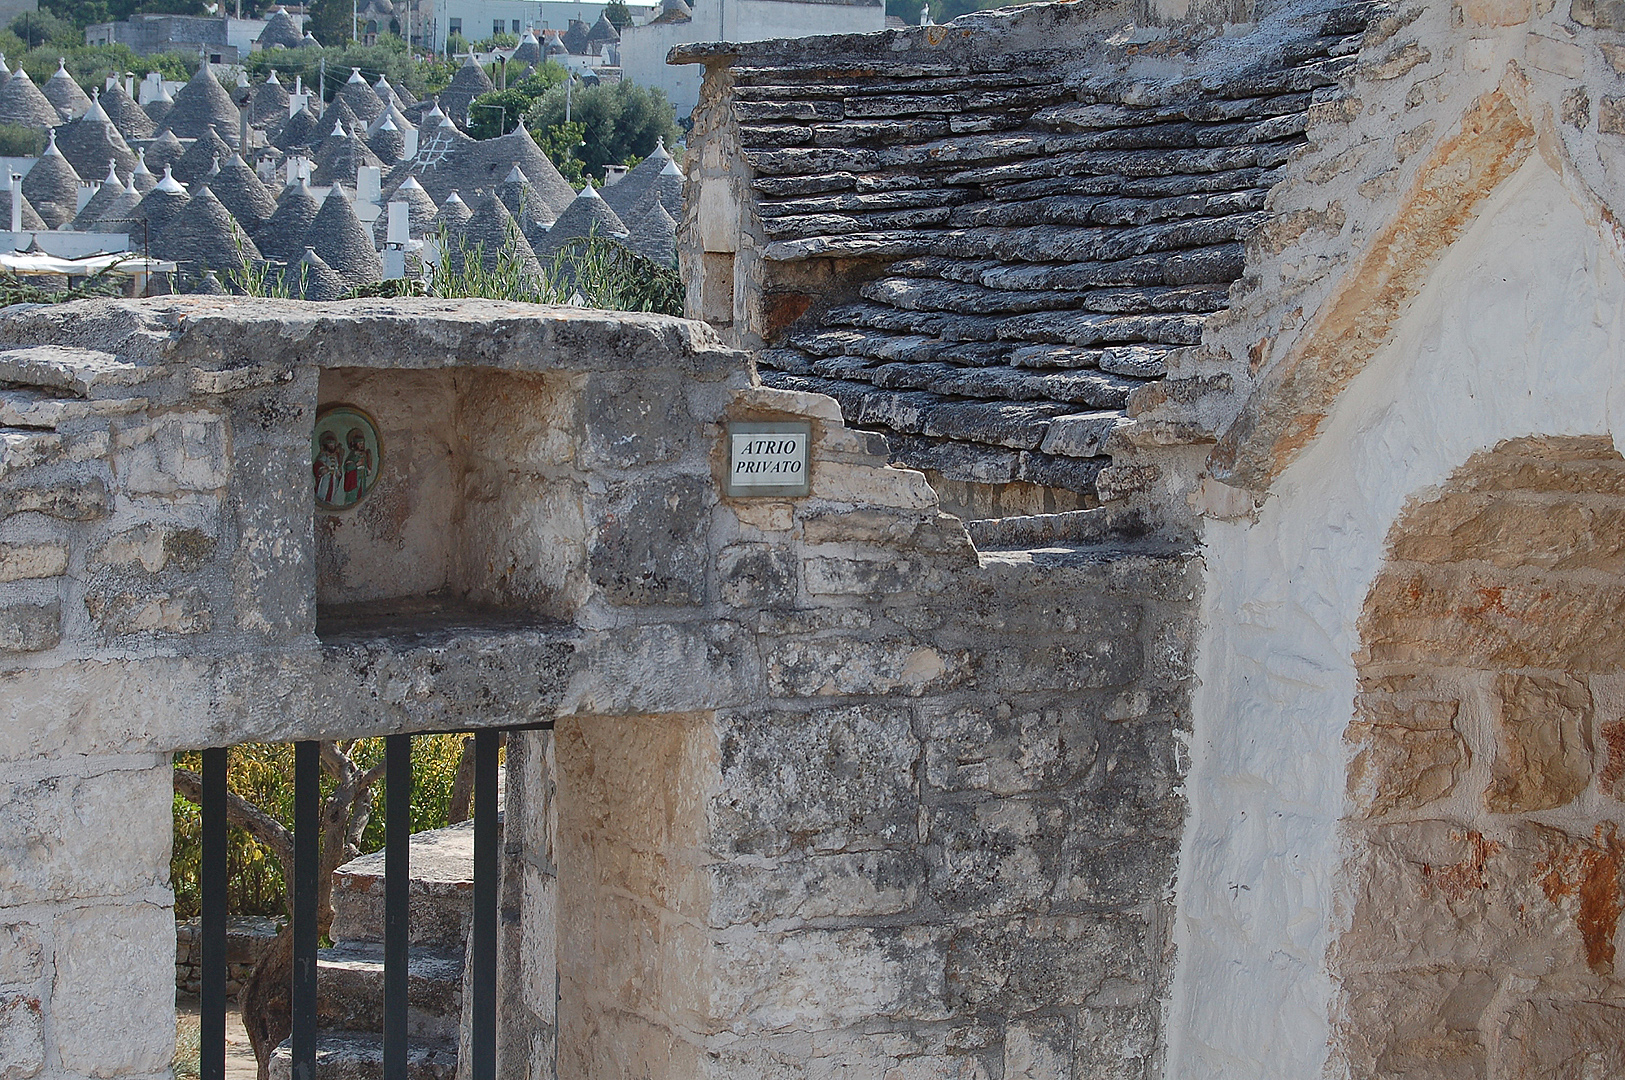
<point x="240" y="1063"/>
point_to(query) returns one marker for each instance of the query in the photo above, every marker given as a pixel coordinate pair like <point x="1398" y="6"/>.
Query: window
<point x="496" y="26"/>
<point x="455" y="26"/>
<point x="516" y="26"/>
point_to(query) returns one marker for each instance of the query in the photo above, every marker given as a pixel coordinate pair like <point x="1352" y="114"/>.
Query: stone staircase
<point x="350" y="975"/>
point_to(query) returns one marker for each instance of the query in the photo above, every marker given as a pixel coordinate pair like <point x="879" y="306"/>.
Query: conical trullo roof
<point x="126" y="115"/>
<point x="243" y="193"/>
<point x="301" y="129"/>
<point x="206" y="284"/>
<point x="668" y="187"/>
<point x="338" y="112"/>
<point x="141" y="177"/>
<point x="342" y="241"/>
<point x="164" y="151"/>
<point x="603" y="32"/>
<point x="310" y="278"/>
<point x="119" y="214"/>
<point x="358" y="95"/>
<point x="490" y="235"/>
<point x="283" y="236"/>
<point x="200" y="157"/>
<point x="387" y="142"/>
<point x="589" y="215"/>
<point x="203" y="104"/>
<point x="31" y="218"/>
<point x="386" y="94"/>
<point x="451" y="216"/>
<point x="626" y="196"/>
<point x="653" y="234"/>
<point x="268" y="104"/>
<point x="205" y="237"/>
<point x="280" y="29"/>
<point x="160" y="205"/>
<point x="420" y="212"/>
<point x="52" y="186"/>
<point x="111" y="188"/>
<point x="521" y="199"/>
<point x="61" y="91"/>
<point x="529" y="51"/>
<point x="469" y="83"/>
<point x="575" y="37"/>
<point x="393" y="115"/>
<point x="21" y="103"/>
<point x="339" y="157"/>
<point x="91" y="141"/>
<point x="159" y="107"/>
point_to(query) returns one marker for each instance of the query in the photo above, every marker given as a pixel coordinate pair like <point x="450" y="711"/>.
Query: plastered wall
<point x="1518" y="332"/>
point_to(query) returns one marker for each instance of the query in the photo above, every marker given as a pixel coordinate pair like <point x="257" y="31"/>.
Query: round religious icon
<point x="345" y="455"/>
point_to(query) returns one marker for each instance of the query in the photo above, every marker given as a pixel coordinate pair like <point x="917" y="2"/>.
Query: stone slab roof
<point x="1042" y="206"/>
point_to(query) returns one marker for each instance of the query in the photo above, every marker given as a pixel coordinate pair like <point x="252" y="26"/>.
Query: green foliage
<point x="562" y="145"/>
<point x="91" y="64"/>
<point x="501" y="111"/>
<point x="19" y="141"/>
<point x="19" y="290"/>
<point x="619" y="121"/>
<point x="618" y="14"/>
<point x="332" y="21"/>
<point x="457" y="45"/>
<point x="390" y="57"/>
<point x="496" y="41"/>
<point x="603" y="273"/>
<point x="262" y="773"/>
<point x="81" y="13"/>
<point x="36" y="28"/>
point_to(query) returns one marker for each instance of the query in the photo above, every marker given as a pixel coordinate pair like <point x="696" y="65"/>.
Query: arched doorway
<point x="1486" y="854"/>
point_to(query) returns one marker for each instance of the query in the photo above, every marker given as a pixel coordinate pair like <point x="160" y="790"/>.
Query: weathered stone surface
<point x="633" y="420"/>
<point x="845" y="885"/>
<point x="1409" y="752"/>
<point x="22" y="956"/>
<point x="648" y="549"/>
<point x="757" y="575"/>
<point x="22" y="1037"/>
<point x="30" y="627"/>
<point x="22" y="561"/>
<point x="1564" y="1038"/>
<point x="1028" y="963"/>
<point x="58" y="821"/>
<point x="1543" y="743"/>
<point x="185" y="611"/>
<point x="106" y="981"/>
<point x="824" y="666"/>
<point x="1417" y="1023"/>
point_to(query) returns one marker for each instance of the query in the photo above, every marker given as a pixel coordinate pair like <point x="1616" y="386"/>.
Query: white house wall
<point x="1522" y="332"/>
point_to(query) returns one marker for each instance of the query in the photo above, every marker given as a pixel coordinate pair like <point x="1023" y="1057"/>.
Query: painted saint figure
<point x="358" y="467"/>
<point x="328" y="469"/>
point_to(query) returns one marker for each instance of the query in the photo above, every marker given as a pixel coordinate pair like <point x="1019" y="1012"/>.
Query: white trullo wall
<point x="1521" y="331"/>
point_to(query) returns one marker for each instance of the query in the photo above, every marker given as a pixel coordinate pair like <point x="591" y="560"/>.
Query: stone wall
<point x="1485" y="790"/>
<point x="829" y="787"/>
<point x="247" y="939"/>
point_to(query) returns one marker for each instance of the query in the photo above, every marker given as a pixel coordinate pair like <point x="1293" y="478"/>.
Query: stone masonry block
<point x="1006" y="750"/>
<point x="875" y="578"/>
<point x="1498" y="12"/>
<point x="637" y="419"/>
<point x="823" y="780"/>
<point x="757" y="575"/>
<point x="183" y="611"/>
<point x="1116" y="1043"/>
<point x="22" y="953"/>
<point x="1598" y="14"/>
<point x="1395" y="1023"/>
<point x="1028" y="963"/>
<point x="179" y="451"/>
<point x="648" y="543"/>
<point x="1039" y="1049"/>
<point x="22" y="1038"/>
<point x="1565" y="1038"/>
<point x="112" y="1003"/>
<point x="822" y="666"/>
<point x="21" y="561"/>
<point x="996" y="856"/>
<point x="1119" y="876"/>
<point x="1611" y="115"/>
<point x="60" y="841"/>
<point x="78" y="500"/>
<point x="1543" y="743"/>
<point x="30" y="627"/>
<point x="862" y="884"/>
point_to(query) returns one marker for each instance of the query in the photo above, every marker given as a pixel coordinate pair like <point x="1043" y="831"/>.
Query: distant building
<point x="10" y="9"/>
<point x="225" y="39"/>
<point x="477" y="20"/>
<point x="643" y="48"/>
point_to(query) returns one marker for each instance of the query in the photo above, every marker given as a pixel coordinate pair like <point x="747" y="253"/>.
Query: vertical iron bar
<point x="212" y="1008"/>
<point x="397" y="903"/>
<point x="484" y="1055"/>
<point x="307" y="797"/>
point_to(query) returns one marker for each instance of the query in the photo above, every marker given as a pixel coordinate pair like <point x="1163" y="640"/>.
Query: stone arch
<point x="1486" y="865"/>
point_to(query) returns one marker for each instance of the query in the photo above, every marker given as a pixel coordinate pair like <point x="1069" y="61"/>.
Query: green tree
<point x="618" y="14"/>
<point x="390" y="57"/>
<point x="332" y="21"/>
<point x="501" y="111"/>
<point x="19" y="141"/>
<point x="620" y="121"/>
<point x="562" y="145"/>
<point x="35" y="28"/>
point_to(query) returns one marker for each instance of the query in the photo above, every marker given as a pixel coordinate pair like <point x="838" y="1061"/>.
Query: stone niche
<point x="474" y="504"/>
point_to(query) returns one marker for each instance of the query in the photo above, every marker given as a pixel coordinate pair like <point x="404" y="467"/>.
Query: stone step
<point x="442" y="891"/>
<point x="1040" y="530"/>
<point x="350" y="990"/>
<point x="358" y="1056"/>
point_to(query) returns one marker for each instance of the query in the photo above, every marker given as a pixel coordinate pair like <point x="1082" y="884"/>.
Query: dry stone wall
<point x="830" y="788"/>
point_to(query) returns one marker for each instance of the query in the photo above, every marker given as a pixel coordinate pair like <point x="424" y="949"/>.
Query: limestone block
<point x="862" y="884"/>
<point x="1611" y="116"/>
<point x="183" y="611"/>
<point x="1029" y="963"/>
<point x="994" y="748"/>
<point x="654" y="669"/>
<point x="1580" y="878"/>
<point x="63" y="837"/>
<point x="22" y="561"/>
<point x="764" y="515"/>
<point x="112" y="1004"/>
<point x="648" y="540"/>
<point x="1575" y="108"/>
<point x="76" y="500"/>
<point x="1398" y="62"/>
<point x="871" y="485"/>
<point x="1558" y="57"/>
<point x="817" y="667"/>
<point x="757" y="575"/>
<point x="538" y="959"/>
<point x="996" y="856"/>
<point x="178" y="451"/>
<point x="637" y="419"/>
<point x="1416" y="1024"/>
<point x="930" y="532"/>
<point x="1612" y="761"/>
<point x="22" y="1038"/>
<point x="823" y="780"/>
<point x="1119" y="876"/>
<point x="1543" y="743"/>
<point x="1038" y="1049"/>
<point x="22" y="953"/>
<point x="153" y="547"/>
<point x="1084" y="661"/>
<point x="814" y="979"/>
<point x="1496" y="12"/>
<point x="30" y="627"/>
<point x="874" y="578"/>
<point x="1116" y="1043"/>
<point x="1571" y="534"/>
<point x="1598" y="14"/>
<point x="526" y="422"/>
<point x="1564" y="1038"/>
<point x="1409" y="752"/>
